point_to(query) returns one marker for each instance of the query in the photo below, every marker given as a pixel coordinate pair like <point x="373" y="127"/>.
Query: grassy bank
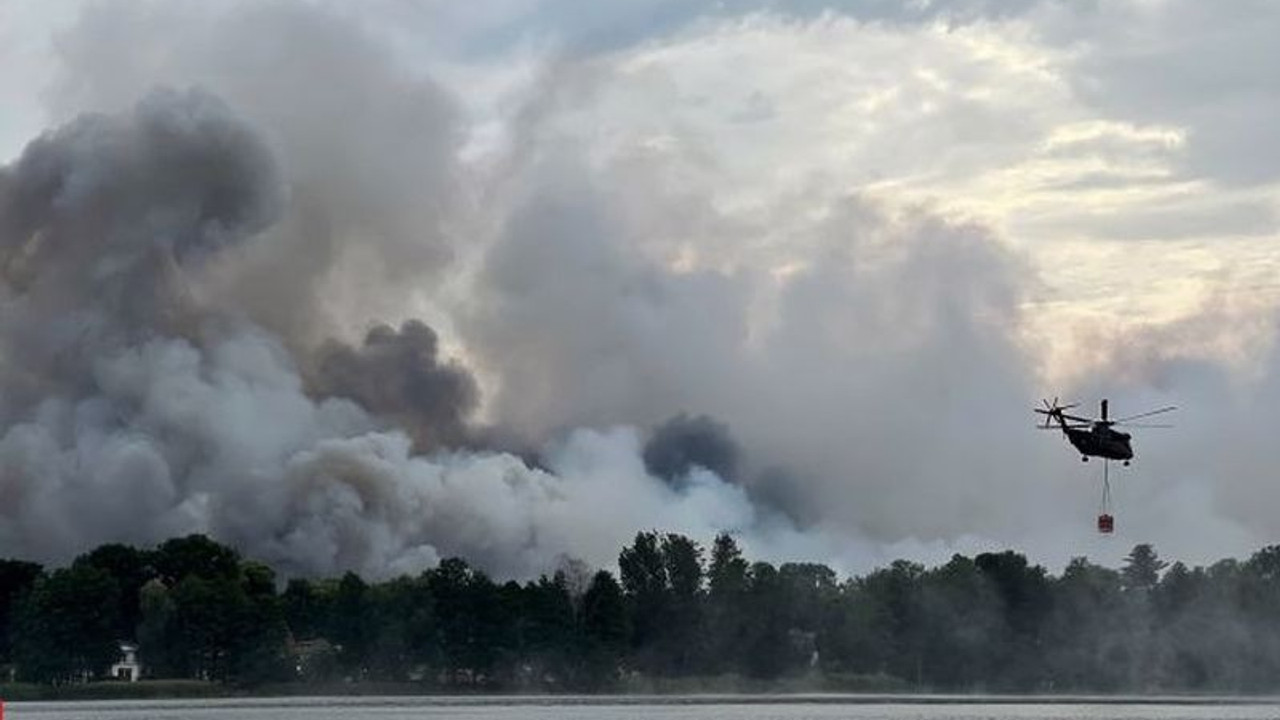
<point x="178" y="689"/>
<point x="145" y="690"/>
<point x="738" y="684"/>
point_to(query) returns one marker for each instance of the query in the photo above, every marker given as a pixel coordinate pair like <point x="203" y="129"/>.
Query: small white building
<point x="127" y="668"/>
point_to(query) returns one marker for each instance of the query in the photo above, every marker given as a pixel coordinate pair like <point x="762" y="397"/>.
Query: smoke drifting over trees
<point x="137" y="408"/>
<point x="272" y="277"/>
<point x="990" y="622"/>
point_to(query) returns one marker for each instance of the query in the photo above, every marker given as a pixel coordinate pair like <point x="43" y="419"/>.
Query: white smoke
<point x="580" y="315"/>
<point x="138" y="410"/>
<point x="597" y="274"/>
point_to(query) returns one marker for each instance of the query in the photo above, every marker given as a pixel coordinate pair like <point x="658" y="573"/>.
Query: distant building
<point x="315" y="659"/>
<point x="127" y="668"/>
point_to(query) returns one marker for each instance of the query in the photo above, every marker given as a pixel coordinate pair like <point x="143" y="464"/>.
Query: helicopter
<point x="1096" y="437"/>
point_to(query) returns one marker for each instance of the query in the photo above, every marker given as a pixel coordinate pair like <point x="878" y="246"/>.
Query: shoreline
<point x="327" y="696"/>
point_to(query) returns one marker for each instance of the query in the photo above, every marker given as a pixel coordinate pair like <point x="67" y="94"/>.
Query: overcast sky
<point x="896" y="222"/>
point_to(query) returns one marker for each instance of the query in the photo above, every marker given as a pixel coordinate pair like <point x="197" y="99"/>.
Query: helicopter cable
<point x="1106" y="488"/>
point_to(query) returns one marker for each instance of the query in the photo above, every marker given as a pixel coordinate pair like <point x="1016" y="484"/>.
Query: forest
<point x="673" y="610"/>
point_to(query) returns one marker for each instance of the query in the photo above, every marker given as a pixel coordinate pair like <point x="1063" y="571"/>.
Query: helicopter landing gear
<point x="1084" y="458"/>
<point x="1126" y="463"/>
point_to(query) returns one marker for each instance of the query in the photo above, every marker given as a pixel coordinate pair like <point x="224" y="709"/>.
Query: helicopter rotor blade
<point x="1146" y="414"/>
<point x="1052" y="410"/>
<point x="1145" y="425"/>
<point x="1057" y="412"/>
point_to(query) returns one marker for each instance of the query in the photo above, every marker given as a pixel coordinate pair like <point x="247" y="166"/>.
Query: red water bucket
<point x="1106" y="524"/>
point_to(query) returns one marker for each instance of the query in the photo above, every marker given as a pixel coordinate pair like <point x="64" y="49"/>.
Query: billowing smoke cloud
<point x="855" y="375"/>
<point x="602" y="297"/>
<point x="683" y="443"/>
<point x="137" y="409"/>
<point x="187" y="284"/>
<point x="100" y="219"/>
<point x="398" y="375"/>
<point x="366" y="149"/>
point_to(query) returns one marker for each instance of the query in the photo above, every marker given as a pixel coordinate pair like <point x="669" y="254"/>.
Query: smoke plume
<point x="178" y="323"/>
<point x="136" y="409"/>
<point x="309" y="305"/>
<point x="684" y="443"/>
<point x="398" y="375"/>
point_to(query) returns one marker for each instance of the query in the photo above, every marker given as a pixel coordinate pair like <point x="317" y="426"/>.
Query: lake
<point x="813" y="707"/>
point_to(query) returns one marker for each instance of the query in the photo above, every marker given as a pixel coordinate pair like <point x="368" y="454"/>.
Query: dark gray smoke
<point x="365" y="147"/>
<point x="587" y="289"/>
<point x="685" y="442"/>
<point x="398" y="375"/>
<point x="191" y="359"/>
<point x="99" y="223"/>
<point x="136" y="407"/>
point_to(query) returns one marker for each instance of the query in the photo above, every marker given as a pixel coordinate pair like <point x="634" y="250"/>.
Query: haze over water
<point x="757" y="708"/>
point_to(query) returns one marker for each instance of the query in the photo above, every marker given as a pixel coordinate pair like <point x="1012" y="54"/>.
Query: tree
<point x="858" y="638"/>
<point x="66" y="625"/>
<point x="604" y="628"/>
<point x="402" y="627"/>
<point x="766" y="643"/>
<point x="474" y="630"/>
<point x="257" y="643"/>
<point x="727" y="617"/>
<point x="1085" y="634"/>
<point x="16" y="580"/>
<point x="681" y="636"/>
<point x="1142" y="568"/>
<point x="156" y="630"/>
<point x="195" y="555"/>
<point x="223" y="628"/>
<point x="201" y="629"/>
<point x="965" y="625"/>
<point x="1023" y="590"/>
<point x="644" y="580"/>
<point x="350" y="626"/>
<point x="131" y="569"/>
<point x="1179" y="605"/>
<point x="548" y="628"/>
<point x="810" y="589"/>
<point x="894" y="595"/>
<point x="307" y="608"/>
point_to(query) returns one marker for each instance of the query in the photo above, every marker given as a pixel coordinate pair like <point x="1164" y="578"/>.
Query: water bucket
<point x="1106" y="524"/>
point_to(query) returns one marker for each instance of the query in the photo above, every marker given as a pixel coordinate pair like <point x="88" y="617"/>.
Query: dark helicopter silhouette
<point x="1096" y="437"/>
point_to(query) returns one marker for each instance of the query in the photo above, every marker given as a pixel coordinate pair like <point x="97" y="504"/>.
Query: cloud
<point x="835" y="229"/>
<point x="367" y="148"/>
<point x="1203" y="68"/>
<point x="858" y="368"/>
<point x="137" y="409"/>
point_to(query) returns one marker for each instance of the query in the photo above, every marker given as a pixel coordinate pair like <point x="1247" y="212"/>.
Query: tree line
<point x="674" y="609"/>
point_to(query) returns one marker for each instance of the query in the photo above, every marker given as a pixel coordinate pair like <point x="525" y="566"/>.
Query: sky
<point x="862" y="238"/>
